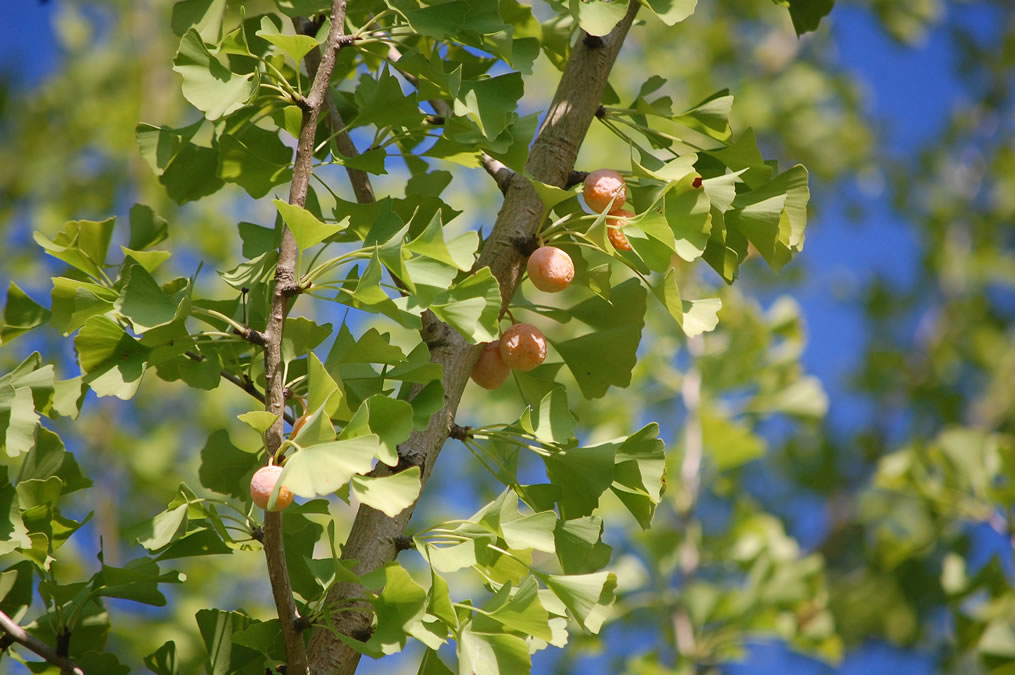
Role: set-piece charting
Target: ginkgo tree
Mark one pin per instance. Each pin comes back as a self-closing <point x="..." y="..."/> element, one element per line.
<point x="352" y="413"/>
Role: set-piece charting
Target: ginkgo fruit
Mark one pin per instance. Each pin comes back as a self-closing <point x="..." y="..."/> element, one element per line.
<point x="550" y="269"/>
<point x="523" y="347"/>
<point x="262" y="484"/>
<point x="616" y="220"/>
<point x="490" y="370"/>
<point x="601" y="187"/>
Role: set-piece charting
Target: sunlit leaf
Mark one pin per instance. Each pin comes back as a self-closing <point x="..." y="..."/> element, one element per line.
<point x="306" y="228"/>
<point x="587" y="596"/>
<point x="207" y="83"/>
<point x="321" y="469"/>
<point x="389" y="494"/>
<point x="493" y="653"/>
<point x="296" y="46"/>
<point x="598" y="17"/>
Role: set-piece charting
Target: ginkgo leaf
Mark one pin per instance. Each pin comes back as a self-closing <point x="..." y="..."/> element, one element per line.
<point x="587" y="596"/>
<point x="321" y="469"/>
<point x="389" y="494"/>
<point x="209" y="85"/>
<point x="306" y="228"/>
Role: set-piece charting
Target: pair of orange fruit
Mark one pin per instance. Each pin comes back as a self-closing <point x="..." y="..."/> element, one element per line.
<point x="523" y="346"/>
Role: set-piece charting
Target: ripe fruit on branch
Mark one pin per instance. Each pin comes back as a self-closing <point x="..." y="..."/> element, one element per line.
<point x="522" y="347"/>
<point x="616" y="220"/>
<point x="490" y="370"/>
<point x="600" y="187"/>
<point x="262" y="484"/>
<point x="550" y="269"/>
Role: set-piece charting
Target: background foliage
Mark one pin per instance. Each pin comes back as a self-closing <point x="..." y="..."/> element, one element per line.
<point x="878" y="513"/>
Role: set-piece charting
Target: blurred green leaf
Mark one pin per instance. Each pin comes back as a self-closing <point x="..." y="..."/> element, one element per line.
<point x="21" y="314"/>
<point x="806" y="14"/>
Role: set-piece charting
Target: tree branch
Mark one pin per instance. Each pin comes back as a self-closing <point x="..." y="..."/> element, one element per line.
<point x="690" y="479"/>
<point x="287" y="287"/>
<point x="359" y="179"/>
<point x="19" y="635"/>
<point x="374" y="537"/>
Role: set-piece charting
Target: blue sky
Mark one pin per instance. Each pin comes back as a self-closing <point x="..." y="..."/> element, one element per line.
<point x="912" y="92"/>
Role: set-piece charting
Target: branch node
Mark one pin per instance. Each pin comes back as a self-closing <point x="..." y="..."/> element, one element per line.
<point x="257" y="534"/>
<point x="407" y="461"/>
<point x="601" y="112"/>
<point x="436" y="343"/>
<point x="460" y="433"/>
<point x="58" y="657"/>
<point x="501" y="174"/>
<point x="362" y="634"/>
<point x="404" y="543"/>
<point x="301" y="624"/>
<point x="575" y="178"/>
<point x="254" y="337"/>
<point x="290" y="289"/>
<point x="435" y="335"/>
<point x="593" y="41"/>
<point x="526" y="245"/>
<point x="435" y="120"/>
<point x="63" y="643"/>
<point x="308" y="26"/>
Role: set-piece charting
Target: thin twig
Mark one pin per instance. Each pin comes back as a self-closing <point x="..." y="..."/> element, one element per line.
<point x="252" y="336"/>
<point x="19" y="635"/>
<point x="358" y="178"/>
<point x="241" y="382"/>
<point x="499" y="171"/>
<point x="286" y="288"/>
